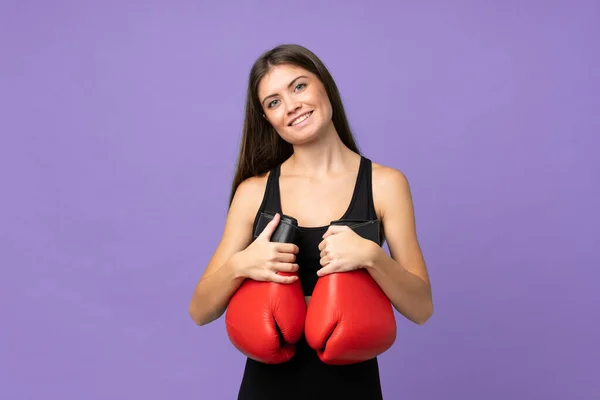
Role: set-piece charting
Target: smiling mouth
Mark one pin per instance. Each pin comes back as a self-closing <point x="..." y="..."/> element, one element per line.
<point x="301" y="118"/>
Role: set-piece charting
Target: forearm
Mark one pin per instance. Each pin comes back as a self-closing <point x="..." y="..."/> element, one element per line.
<point x="408" y="293"/>
<point x="213" y="292"/>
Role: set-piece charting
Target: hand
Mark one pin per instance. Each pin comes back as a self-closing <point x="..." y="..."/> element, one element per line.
<point x="344" y="250"/>
<point x="264" y="260"/>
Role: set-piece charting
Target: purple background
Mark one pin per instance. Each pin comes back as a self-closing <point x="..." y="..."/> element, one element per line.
<point x="119" y="126"/>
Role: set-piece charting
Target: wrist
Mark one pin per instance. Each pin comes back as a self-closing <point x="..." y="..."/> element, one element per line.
<point x="372" y="255"/>
<point x="236" y="265"/>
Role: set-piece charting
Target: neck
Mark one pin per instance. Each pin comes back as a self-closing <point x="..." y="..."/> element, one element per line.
<point x="324" y="156"/>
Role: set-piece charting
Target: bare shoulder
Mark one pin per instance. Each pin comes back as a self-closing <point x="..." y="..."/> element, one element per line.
<point x="385" y="175"/>
<point x="390" y="187"/>
<point x="249" y="195"/>
<point x="237" y="233"/>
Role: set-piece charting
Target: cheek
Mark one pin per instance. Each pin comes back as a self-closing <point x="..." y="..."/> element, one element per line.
<point x="324" y="101"/>
<point x="327" y="109"/>
<point x="275" y="117"/>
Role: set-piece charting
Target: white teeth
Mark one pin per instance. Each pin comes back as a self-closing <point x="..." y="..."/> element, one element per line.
<point x="300" y="119"/>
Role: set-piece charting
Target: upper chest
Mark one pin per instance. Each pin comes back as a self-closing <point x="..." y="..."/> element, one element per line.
<point x="317" y="202"/>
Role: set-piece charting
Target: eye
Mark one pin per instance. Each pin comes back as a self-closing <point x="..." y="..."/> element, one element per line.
<point x="271" y="104"/>
<point x="300" y="86"/>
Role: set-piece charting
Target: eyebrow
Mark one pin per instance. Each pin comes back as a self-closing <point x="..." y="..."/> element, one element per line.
<point x="289" y="86"/>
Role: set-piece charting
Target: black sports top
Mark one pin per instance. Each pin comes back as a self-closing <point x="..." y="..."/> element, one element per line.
<point x="305" y="376"/>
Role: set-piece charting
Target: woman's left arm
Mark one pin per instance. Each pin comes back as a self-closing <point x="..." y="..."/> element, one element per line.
<point x="403" y="276"/>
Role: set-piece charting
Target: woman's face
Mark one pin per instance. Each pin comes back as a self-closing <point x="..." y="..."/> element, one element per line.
<point x="295" y="102"/>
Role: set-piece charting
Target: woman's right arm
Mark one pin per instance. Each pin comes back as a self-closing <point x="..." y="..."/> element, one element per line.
<point x="221" y="277"/>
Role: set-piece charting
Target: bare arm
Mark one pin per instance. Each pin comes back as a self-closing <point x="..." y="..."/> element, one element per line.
<point x="403" y="276"/>
<point x="221" y="278"/>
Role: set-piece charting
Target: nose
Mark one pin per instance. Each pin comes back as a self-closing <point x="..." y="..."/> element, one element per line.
<point x="292" y="105"/>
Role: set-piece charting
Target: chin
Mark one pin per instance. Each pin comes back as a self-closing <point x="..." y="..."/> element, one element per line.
<point x="302" y="137"/>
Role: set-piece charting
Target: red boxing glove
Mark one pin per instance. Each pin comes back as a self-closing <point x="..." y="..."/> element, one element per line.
<point x="349" y="318"/>
<point x="264" y="320"/>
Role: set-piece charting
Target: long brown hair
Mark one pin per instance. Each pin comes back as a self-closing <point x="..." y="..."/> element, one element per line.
<point x="261" y="148"/>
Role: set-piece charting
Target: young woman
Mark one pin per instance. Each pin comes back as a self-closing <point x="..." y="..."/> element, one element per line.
<point x="298" y="157"/>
